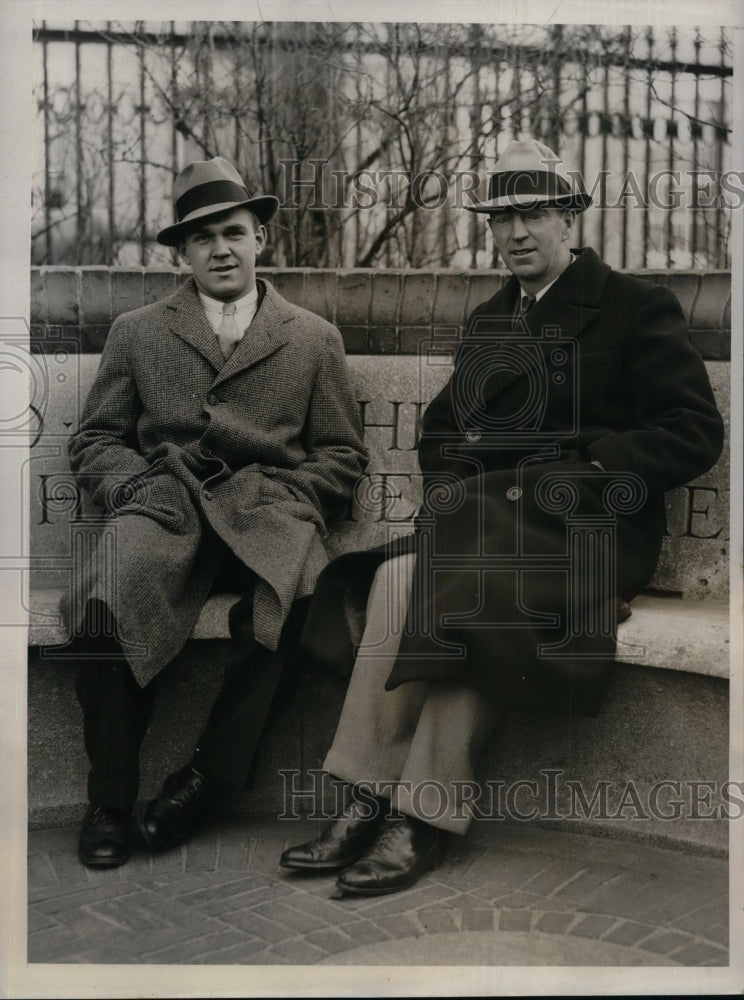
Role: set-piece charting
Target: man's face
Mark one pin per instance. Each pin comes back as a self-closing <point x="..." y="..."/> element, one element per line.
<point x="222" y="253"/>
<point x="533" y="243"/>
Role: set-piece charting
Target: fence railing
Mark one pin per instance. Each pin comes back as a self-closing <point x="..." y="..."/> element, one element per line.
<point x="375" y="136"/>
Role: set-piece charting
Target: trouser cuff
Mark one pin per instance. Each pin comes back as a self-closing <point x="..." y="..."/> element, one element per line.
<point x="439" y="805"/>
<point x="444" y="805"/>
<point x="119" y="795"/>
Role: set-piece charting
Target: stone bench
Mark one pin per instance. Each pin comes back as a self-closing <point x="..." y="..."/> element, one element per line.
<point x="667" y="714"/>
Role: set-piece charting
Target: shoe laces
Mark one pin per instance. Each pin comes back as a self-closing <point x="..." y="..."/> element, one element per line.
<point x="195" y="787"/>
<point x="391" y="834"/>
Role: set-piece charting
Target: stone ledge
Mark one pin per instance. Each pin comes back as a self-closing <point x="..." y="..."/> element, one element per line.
<point x="669" y="633"/>
<point x="372" y="307"/>
<point x="677" y="634"/>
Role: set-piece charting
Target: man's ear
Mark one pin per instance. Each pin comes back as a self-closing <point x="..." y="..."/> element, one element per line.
<point x="261" y="238"/>
<point x="569" y="217"/>
<point x="183" y="252"/>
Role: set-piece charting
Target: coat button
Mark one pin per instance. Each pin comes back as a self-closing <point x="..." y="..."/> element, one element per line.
<point x="472" y="437"/>
<point x="513" y="493"/>
<point x="207" y="495"/>
<point x="212" y="399"/>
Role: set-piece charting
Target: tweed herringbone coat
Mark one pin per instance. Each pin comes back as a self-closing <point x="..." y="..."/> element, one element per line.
<point x="178" y="445"/>
<point x="600" y="369"/>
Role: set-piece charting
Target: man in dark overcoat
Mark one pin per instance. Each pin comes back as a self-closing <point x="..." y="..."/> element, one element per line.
<point x="575" y="403"/>
<point x="221" y="436"/>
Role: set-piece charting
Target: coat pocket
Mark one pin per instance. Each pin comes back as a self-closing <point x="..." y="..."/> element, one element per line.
<point x="157" y="495"/>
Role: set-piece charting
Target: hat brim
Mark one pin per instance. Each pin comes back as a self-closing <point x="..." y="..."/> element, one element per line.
<point x="578" y="202"/>
<point x="264" y="208"/>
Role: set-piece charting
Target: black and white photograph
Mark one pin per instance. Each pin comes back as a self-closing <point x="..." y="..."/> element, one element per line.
<point x="371" y="424"/>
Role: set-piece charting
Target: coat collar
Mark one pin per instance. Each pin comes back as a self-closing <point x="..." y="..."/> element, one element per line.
<point x="267" y="333"/>
<point x="571" y="302"/>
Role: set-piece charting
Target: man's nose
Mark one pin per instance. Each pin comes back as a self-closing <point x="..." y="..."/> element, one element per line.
<point x="220" y="247"/>
<point x="519" y="228"/>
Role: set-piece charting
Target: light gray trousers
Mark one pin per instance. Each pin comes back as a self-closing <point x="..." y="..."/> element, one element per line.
<point x="418" y="744"/>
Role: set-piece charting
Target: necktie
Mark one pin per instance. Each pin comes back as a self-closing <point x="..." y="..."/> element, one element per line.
<point x="526" y="303"/>
<point x="228" y="333"/>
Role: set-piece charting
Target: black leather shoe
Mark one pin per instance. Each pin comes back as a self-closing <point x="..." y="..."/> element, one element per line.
<point x="105" y="839"/>
<point x="181" y="808"/>
<point x="341" y="843"/>
<point x="404" y="851"/>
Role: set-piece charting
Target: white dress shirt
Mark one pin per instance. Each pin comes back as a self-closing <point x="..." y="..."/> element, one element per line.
<point x="247" y="307"/>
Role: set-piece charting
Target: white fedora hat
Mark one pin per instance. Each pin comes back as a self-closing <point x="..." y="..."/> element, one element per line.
<point x="529" y="173"/>
<point x="207" y="187"/>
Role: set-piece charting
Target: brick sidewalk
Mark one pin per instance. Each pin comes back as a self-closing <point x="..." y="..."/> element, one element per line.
<point x="507" y="895"/>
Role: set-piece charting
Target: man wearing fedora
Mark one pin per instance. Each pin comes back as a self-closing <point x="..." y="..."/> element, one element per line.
<point x="576" y="401"/>
<point x="220" y="436"/>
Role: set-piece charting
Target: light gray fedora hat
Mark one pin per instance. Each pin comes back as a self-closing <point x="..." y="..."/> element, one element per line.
<point x="529" y="173"/>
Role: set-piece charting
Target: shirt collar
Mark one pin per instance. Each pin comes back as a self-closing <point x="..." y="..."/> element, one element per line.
<point x="214" y="306"/>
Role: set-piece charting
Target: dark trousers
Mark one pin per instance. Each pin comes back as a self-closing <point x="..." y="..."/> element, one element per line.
<point x="117" y="711"/>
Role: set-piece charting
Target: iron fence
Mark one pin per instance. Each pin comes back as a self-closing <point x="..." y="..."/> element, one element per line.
<point x="374" y="136"/>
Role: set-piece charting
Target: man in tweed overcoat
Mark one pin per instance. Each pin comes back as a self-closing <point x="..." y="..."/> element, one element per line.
<point x="221" y="436"/>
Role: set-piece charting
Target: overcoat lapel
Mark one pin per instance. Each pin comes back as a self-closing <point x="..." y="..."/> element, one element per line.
<point x="271" y="329"/>
<point x="573" y="301"/>
<point x="190" y="323"/>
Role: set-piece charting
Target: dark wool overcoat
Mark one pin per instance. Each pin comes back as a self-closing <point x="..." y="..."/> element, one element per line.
<point x="178" y="445"/>
<point x="524" y="547"/>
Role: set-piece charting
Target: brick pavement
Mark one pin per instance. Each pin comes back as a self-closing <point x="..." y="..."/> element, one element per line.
<point x="505" y="895"/>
